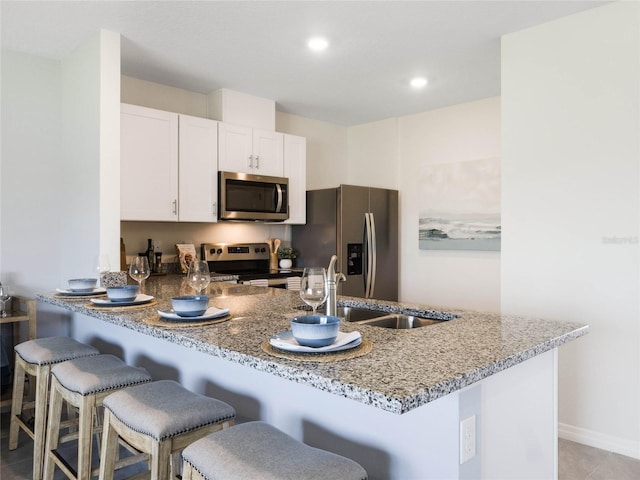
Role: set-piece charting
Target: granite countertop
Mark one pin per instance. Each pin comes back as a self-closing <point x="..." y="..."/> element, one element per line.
<point x="404" y="370"/>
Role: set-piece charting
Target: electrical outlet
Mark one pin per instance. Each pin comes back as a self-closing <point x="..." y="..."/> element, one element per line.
<point x="467" y="439"/>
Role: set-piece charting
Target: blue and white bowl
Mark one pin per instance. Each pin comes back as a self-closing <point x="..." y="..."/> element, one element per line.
<point x="123" y="293"/>
<point x="315" y="330"/>
<point x="82" y="284"/>
<point x="190" y="305"/>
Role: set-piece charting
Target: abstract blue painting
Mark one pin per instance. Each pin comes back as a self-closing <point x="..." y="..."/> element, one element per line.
<point x="460" y="206"/>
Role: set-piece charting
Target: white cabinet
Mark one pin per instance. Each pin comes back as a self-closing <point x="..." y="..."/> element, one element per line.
<point x="198" y="169"/>
<point x="248" y="150"/>
<point x="168" y="166"/>
<point x="295" y="169"/>
<point x="148" y="164"/>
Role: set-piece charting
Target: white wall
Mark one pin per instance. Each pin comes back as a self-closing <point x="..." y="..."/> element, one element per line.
<point x="57" y="145"/>
<point x="373" y="154"/>
<point x="90" y="189"/>
<point x="30" y="208"/>
<point x="571" y="209"/>
<point x="327" y="150"/>
<point x="463" y="279"/>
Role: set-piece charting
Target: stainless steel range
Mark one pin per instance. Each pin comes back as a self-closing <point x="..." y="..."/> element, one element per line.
<point x="250" y="261"/>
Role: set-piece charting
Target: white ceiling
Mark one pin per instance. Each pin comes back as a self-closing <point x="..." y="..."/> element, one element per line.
<point x="259" y="47"/>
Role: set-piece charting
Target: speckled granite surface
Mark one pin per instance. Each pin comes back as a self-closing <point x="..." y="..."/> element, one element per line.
<point x="405" y="369"/>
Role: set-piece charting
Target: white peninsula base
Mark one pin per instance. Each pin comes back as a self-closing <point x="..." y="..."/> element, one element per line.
<point x="515" y="411"/>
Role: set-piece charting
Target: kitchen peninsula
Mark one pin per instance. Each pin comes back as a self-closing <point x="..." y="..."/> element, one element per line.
<point x="395" y="410"/>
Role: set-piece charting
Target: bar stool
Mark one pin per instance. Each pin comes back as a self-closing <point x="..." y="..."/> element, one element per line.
<point x="258" y="450"/>
<point x="159" y="418"/>
<point x="83" y="383"/>
<point x="35" y="358"/>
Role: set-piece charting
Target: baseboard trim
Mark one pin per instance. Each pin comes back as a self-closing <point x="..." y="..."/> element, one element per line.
<point x="599" y="440"/>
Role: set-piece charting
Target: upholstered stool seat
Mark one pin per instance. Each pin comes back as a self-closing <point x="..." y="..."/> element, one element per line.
<point x="35" y="358"/>
<point x="258" y="450"/>
<point x="160" y="418"/>
<point x="83" y="383"/>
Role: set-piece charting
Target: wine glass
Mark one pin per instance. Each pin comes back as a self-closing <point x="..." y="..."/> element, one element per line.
<point x="313" y="287"/>
<point x="102" y="266"/>
<point x="5" y="296"/>
<point x="198" y="276"/>
<point x="139" y="269"/>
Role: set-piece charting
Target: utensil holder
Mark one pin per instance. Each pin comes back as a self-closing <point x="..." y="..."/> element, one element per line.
<point x="273" y="261"/>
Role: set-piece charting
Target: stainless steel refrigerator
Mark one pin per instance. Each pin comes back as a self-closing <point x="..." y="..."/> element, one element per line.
<point x="360" y="226"/>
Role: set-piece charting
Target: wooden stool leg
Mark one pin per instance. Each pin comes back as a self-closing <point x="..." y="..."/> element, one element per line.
<point x="16" y="402"/>
<point x="42" y="385"/>
<point x="85" y="438"/>
<point x="53" y="430"/>
<point x="109" y="448"/>
<point x="160" y="460"/>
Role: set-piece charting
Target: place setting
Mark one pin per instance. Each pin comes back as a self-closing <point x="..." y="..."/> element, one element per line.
<point x="316" y="337"/>
<point x="123" y="296"/>
<point x="188" y="310"/>
<point x="81" y="288"/>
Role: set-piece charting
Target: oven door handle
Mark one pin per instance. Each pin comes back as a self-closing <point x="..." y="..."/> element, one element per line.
<point x="278" y="198"/>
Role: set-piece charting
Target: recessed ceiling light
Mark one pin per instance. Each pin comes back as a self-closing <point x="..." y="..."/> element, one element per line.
<point x="419" y="82"/>
<point x="317" y="44"/>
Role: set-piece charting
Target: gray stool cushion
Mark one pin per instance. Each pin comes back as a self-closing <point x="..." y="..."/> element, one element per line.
<point x="164" y="409"/>
<point x="50" y="350"/>
<point x="98" y="373"/>
<point x="258" y="450"/>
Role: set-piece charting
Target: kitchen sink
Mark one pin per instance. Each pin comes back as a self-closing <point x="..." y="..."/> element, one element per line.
<point x="400" y="321"/>
<point x="377" y="318"/>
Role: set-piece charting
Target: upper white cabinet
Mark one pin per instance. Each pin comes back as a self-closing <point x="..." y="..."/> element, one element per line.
<point x="198" y="169"/>
<point x="248" y="150"/>
<point x="168" y="166"/>
<point x="295" y="169"/>
<point x="148" y="164"/>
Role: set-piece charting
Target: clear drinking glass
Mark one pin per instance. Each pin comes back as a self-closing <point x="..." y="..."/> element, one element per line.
<point x="5" y="296"/>
<point x="139" y="270"/>
<point x="313" y="287"/>
<point x="198" y="276"/>
<point x="102" y="266"/>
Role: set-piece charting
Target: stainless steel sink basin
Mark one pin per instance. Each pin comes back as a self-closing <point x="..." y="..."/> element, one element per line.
<point x="377" y="318"/>
<point x="400" y="321"/>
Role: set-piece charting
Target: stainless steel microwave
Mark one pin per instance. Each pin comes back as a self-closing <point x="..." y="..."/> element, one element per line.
<point x="243" y="196"/>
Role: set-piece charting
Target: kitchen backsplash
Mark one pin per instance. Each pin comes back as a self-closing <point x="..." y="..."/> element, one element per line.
<point x="165" y="235"/>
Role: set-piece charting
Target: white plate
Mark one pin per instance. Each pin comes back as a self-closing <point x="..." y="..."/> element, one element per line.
<point x="212" y="312"/>
<point x="344" y="341"/>
<point x="105" y="302"/>
<point x="95" y="291"/>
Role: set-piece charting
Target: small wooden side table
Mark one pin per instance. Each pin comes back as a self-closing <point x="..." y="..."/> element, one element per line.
<point x="22" y="310"/>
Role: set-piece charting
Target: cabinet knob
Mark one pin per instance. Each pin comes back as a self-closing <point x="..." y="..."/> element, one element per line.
<point x="250" y="161"/>
<point x="258" y="161"/>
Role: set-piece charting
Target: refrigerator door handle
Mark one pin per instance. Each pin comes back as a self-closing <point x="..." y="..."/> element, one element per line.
<point x="365" y="266"/>
<point x="369" y="260"/>
<point x="374" y="255"/>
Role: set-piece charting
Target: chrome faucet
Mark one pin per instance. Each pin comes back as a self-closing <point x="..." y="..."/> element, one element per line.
<point x="332" y="280"/>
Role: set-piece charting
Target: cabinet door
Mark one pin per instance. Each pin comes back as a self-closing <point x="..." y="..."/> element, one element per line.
<point x="268" y="153"/>
<point x="198" y="167"/>
<point x="234" y="148"/>
<point x="148" y="164"/>
<point x="295" y="169"/>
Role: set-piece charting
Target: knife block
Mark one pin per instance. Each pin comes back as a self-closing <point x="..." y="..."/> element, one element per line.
<point x="273" y="261"/>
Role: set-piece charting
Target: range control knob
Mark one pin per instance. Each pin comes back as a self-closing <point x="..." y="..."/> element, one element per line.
<point x="256" y="250"/>
<point x="262" y="250"/>
<point x="219" y="252"/>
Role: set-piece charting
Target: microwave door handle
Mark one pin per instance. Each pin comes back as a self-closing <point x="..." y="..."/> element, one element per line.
<point x="278" y="198"/>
